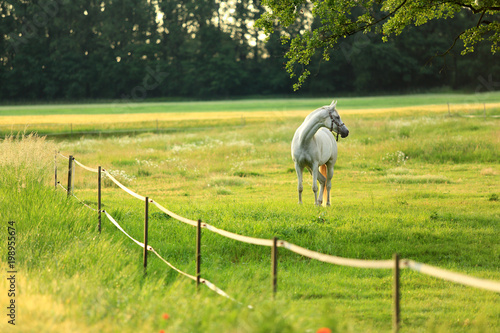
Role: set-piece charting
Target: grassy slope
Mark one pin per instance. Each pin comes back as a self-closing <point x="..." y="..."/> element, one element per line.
<point x="436" y="207"/>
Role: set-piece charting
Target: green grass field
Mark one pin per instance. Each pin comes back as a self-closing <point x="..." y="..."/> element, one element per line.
<point x="422" y="184"/>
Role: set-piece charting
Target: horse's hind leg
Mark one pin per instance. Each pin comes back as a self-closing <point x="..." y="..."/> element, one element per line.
<point x="329" y="182"/>
<point x="315" y="173"/>
<point x="300" y="188"/>
<point x="322" y="182"/>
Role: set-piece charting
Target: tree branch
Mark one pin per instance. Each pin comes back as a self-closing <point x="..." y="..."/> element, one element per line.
<point x="478" y="10"/>
<point x="447" y="51"/>
<point x="480" y="19"/>
<point x="362" y="28"/>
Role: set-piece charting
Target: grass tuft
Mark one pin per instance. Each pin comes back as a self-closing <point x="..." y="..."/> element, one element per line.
<point x="423" y="179"/>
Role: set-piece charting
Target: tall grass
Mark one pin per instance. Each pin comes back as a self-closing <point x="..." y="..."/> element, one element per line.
<point x="25" y="159"/>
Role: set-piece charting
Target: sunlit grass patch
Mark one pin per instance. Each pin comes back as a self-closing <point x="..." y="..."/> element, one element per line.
<point x="228" y="181"/>
<point x="418" y="179"/>
<point x="223" y="191"/>
<point x="247" y="174"/>
<point x="399" y="171"/>
<point x="489" y="172"/>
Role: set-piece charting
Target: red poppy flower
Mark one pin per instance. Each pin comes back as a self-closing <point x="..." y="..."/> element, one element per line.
<point x="324" y="330"/>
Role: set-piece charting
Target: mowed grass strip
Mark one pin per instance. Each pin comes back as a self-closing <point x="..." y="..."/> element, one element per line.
<point x="201" y="116"/>
<point x="109" y="118"/>
<point x="253" y="105"/>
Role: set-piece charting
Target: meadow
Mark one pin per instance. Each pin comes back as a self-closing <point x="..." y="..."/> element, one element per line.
<point x="410" y="179"/>
<point x="125" y="117"/>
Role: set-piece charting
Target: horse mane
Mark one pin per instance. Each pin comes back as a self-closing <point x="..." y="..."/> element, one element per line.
<point x="315" y="112"/>
<point x="325" y="107"/>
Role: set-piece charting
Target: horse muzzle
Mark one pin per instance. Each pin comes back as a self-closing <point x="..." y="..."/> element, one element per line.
<point x="344" y="132"/>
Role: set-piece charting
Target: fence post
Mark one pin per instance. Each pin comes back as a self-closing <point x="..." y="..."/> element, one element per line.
<point x="395" y="295"/>
<point x="274" y="265"/>
<point x="55" y="170"/>
<point x="146" y="206"/>
<point x="99" y="197"/>
<point x="198" y="254"/>
<point x="70" y="175"/>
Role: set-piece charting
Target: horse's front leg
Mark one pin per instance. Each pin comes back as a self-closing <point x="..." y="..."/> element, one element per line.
<point x="300" y="188"/>
<point x="322" y="188"/>
<point x="329" y="176"/>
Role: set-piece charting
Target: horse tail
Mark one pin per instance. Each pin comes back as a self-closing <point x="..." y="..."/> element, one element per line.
<point x="322" y="170"/>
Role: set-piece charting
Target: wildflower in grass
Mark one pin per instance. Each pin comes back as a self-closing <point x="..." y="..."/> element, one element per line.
<point x="121" y="175"/>
<point x="398" y="158"/>
<point x="166" y="316"/>
<point x="324" y="330"/>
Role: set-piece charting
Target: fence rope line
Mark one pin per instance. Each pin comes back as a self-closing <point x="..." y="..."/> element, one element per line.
<point x="66" y="157"/>
<point x="121" y="229"/>
<point x="85" y="167"/>
<point x="120" y="185"/>
<point x="150" y="248"/>
<point x="360" y="263"/>
<point x="243" y="239"/>
<point x="172" y="266"/>
<point x="452" y="276"/>
<point x="220" y="291"/>
<point x="79" y="200"/>
<point x="173" y="215"/>
<point x="209" y="284"/>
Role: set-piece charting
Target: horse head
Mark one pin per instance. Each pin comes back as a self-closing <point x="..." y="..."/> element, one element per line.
<point x="333" y="121"/>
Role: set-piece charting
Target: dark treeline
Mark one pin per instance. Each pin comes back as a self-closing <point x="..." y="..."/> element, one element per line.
<point x="137" y="49"/>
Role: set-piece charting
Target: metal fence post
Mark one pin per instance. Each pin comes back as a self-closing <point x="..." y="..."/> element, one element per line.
<point x="55" y="170"/>
<point x="395" y="295"/>
<point x="146" y="208"/>
<point x="70" y="175"/>
<point x="274" y="265"/>
<point x="198" y="254"/>
<point x="99" y="197"/>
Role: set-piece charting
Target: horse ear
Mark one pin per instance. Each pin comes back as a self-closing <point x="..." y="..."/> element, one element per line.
<point x="334" y="104"/>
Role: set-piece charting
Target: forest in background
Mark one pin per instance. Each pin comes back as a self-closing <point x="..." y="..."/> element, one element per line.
<point x="206" y="49"/>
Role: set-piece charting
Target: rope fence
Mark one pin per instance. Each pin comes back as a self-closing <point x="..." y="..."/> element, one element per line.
<point x="395" y="264"/>
<point x="452" y="276"/>
<point x="359" y="263"/>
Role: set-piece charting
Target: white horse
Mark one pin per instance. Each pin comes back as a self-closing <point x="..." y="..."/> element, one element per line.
<point x="314" y="146"/>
